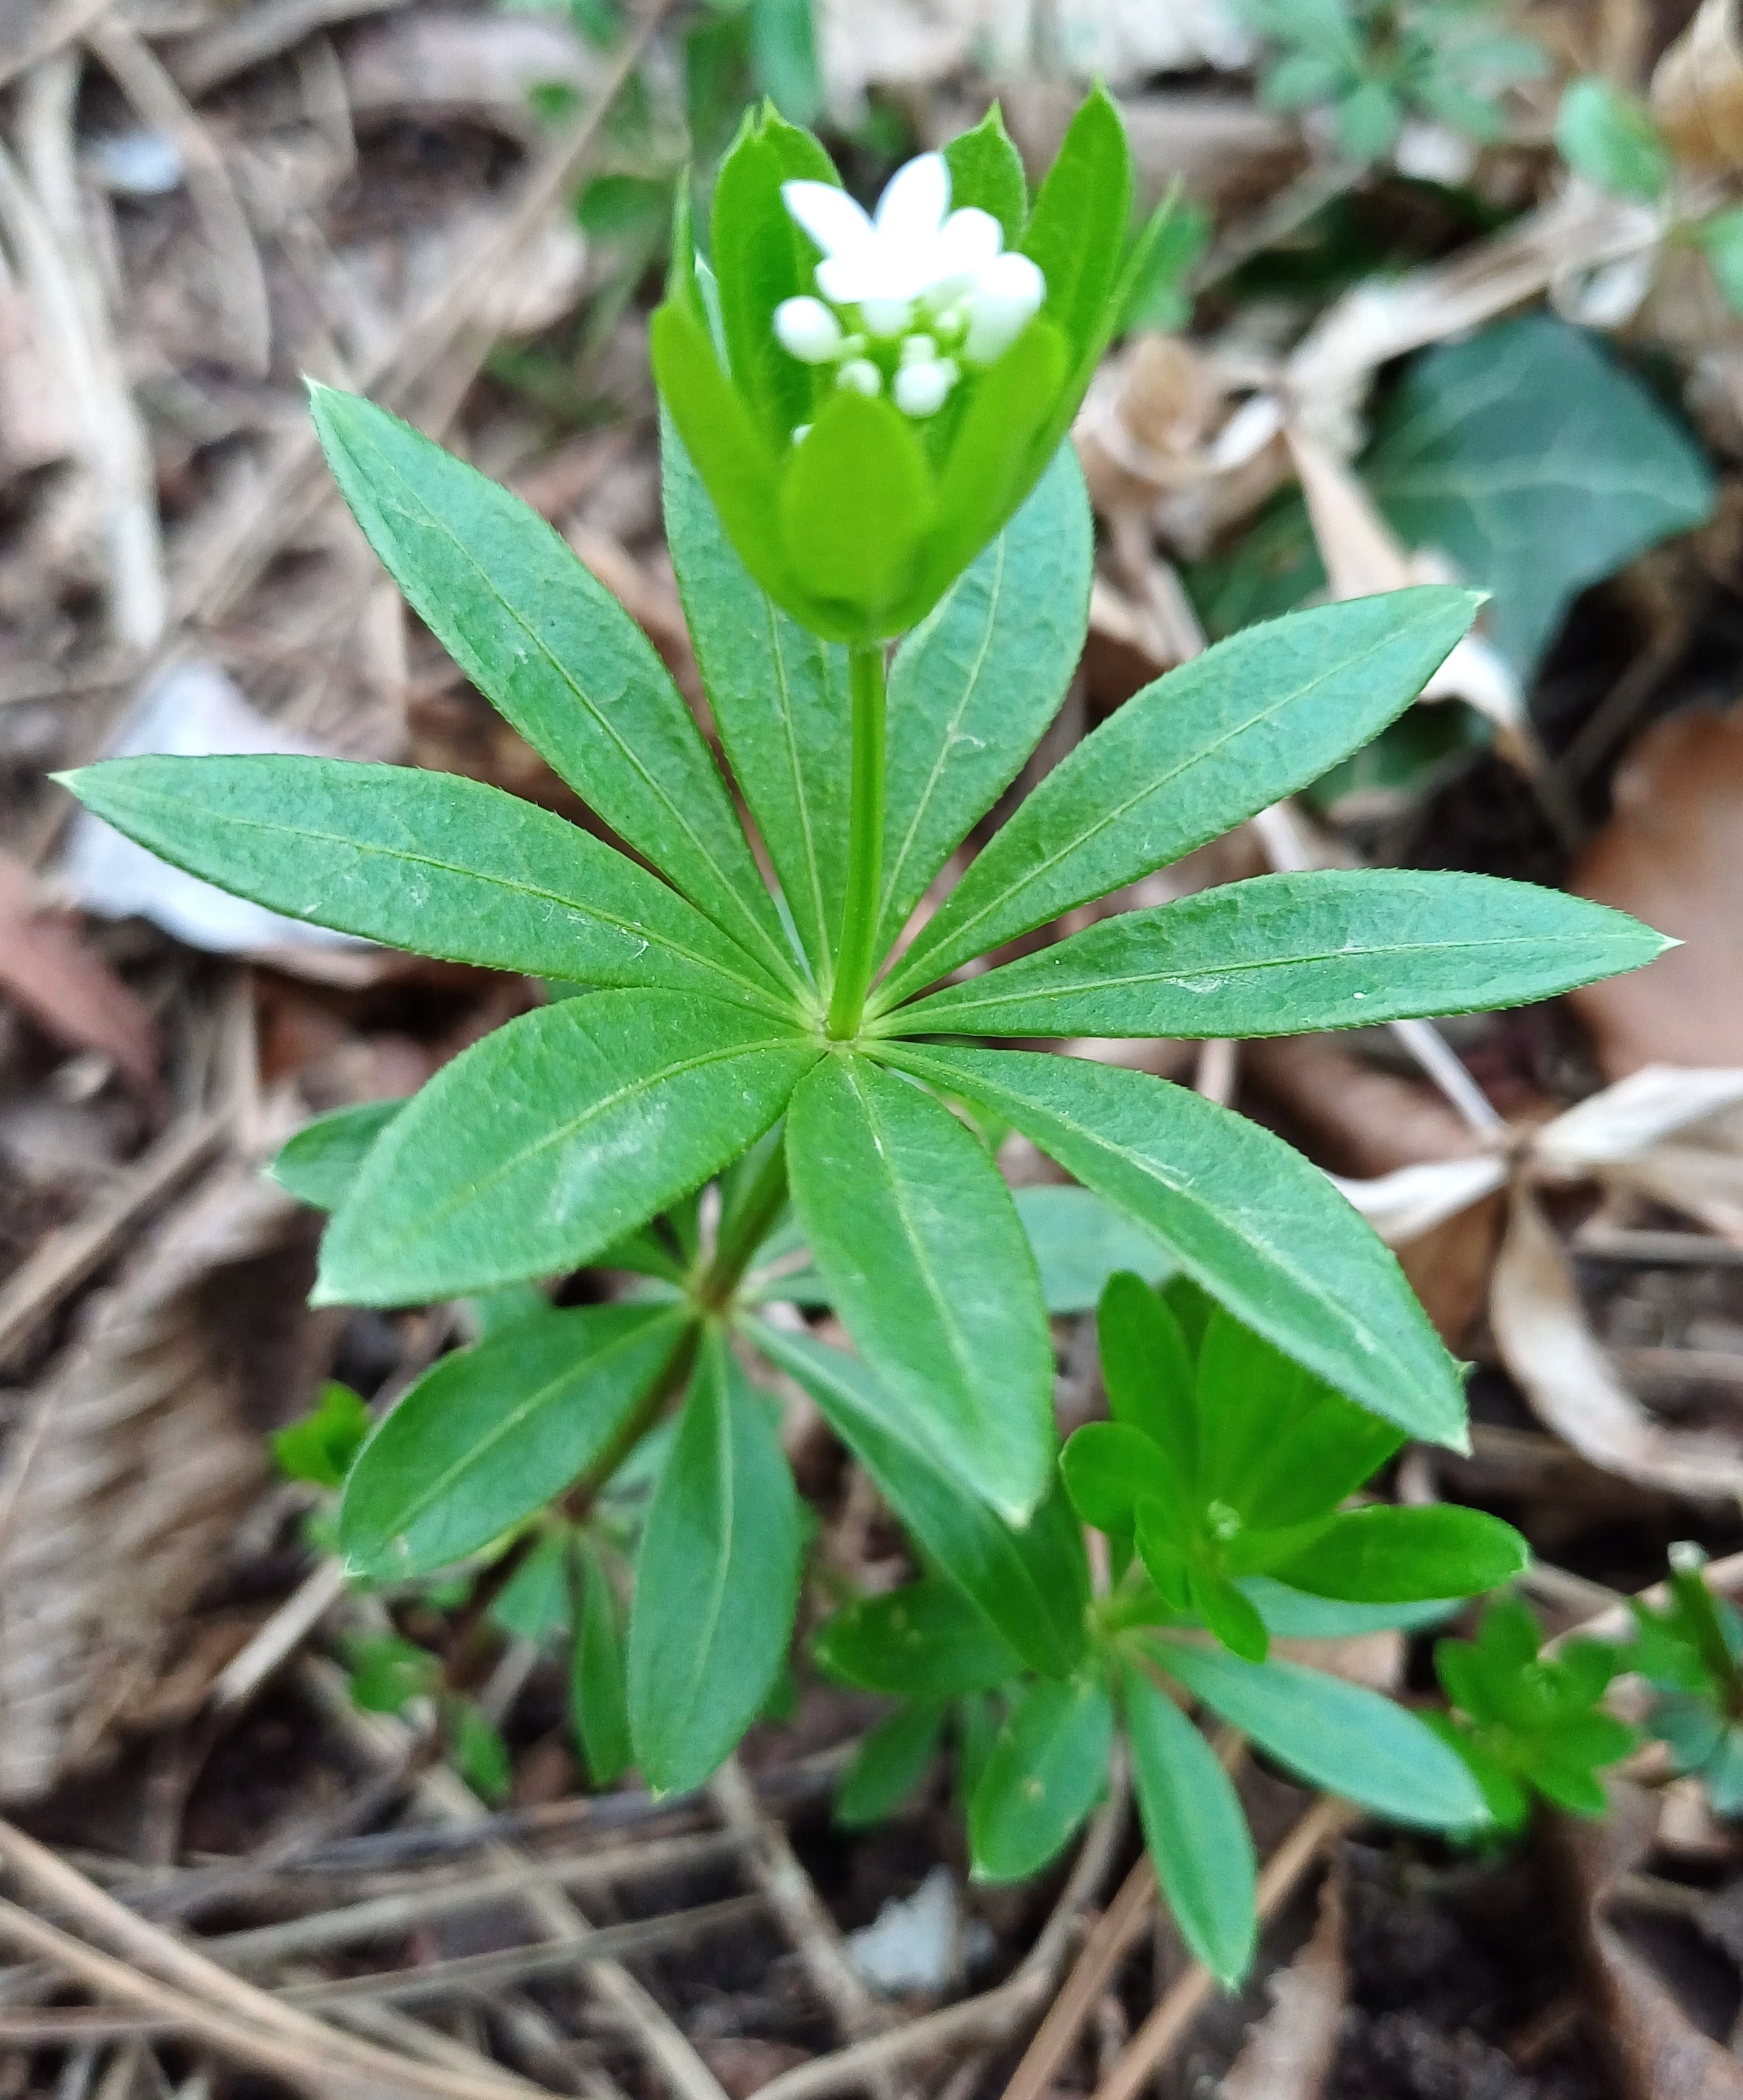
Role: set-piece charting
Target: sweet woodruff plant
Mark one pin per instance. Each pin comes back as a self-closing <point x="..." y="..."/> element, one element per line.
<point x="865" y="419"/>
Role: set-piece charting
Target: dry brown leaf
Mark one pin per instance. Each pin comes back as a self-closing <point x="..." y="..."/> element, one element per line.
<point x="1567" y="1378"/>
<point x="1697" y="90"/>
<point x="133" y="1458"/>
<point x="48" y="971"/>
<point x="1289" y="2055"/>
<point x="1658" y="2051"/>
<point x="1672" y="854"/>
<point x="1372" y="1124"/>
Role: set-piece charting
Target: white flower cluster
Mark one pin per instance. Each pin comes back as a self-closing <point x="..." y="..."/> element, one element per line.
<point x="932" y="285"/>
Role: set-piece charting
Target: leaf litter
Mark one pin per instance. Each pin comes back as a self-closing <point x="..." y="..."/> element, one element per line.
<point x="379" y="169"/>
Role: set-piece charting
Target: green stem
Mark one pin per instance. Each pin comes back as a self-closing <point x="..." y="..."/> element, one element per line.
<point x="747" y="1225"/>
<point x="857" y="959"/>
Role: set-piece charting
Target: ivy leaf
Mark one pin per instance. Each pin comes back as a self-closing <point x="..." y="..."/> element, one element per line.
<point x="1340" y="1736"/>
<point x="1047" y="1770"/>
<point x="1539" y="465"/>
<point x="490" y="1434"/>
<point x="1195" y="1828"/>
<point x="716" y="1580"/>
<point x="975" y="685"/>
<point x="928" y="1265"/>
<point x="555" y="655"/>
<point x="1285" y="954"/>
<point x="539" y="1147"/>
<point x="1194" y="754"/>
<point x="1245" y="1215"/>
<point x="1033" y="1584"/>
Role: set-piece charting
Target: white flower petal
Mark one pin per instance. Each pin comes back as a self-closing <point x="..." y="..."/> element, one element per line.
<point x="832" y="218"/>
<point x="968" y="241"/>
<point x="860" y="376"/>
<point x="1007" y="296"/>
<point x="914" y="201"/>
<point x="867" y="273"/>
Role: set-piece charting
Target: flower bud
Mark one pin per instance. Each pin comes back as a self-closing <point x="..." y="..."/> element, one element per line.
<point x="859" y="329"/>
<point x="807" y="328"/>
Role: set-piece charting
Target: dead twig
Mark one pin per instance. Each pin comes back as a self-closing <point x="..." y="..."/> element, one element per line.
<point x="315" y="2059"/>
<point x="795" y="1901"/>
<point x="42" y="215"/>
<point x="1150" y="2048"/>
<point x="992" y="2016"/>
<point x="64" y="1260"/>
<point x="126" y="56"/>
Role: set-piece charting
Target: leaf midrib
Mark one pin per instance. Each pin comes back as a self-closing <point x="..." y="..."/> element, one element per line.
<point x="588" y="1366"/>
<point x="597" y="715"/>
<point x="961" y="1353"/>
<point x="762" y="995"/>
<point x="950" y="940"/>
<point x="892" y="888"/>
<point x="1374" y="1346"/>
<point x="969" y="1000"/>
<point x="565" y="1132"/>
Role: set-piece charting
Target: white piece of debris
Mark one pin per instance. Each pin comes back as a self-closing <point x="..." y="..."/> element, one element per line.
<point x="917" y="1943"/>
<point x="191" y="710"/>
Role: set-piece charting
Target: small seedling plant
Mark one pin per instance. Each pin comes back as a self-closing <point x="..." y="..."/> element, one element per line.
<point x="1608" y="136"/>
<point x="1374" y="64"/>
<point x="1531" y="1724"/>
<point x="1690" y="1650"/>
<point x="1219" y="1484"/>
<point x="865" y="417"/>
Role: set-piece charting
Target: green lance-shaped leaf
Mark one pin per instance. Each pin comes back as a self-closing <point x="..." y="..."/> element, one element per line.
<point x="1077" y="228"/>
<point x="986" y="173"/>
<point x="319" y="1165"/>
<point x="928" y="1265"/>
<point x="974" y="686"/>
<point x="760" y="257"/>
<point x="1286" y="954"/>
<point x="598" y="1696"/>
<point x="924" y="1641"/>
<point x="716" y="1580"/>
<point x="889" y="1764"/>
<point x="555" y="653"/>
<point x="780" y="703"/>
<point x="1246" y="1215"/>
<point x="1148" y="1371"/>
<point x="1195" y="1831"/>
<point x="539" y="1147"/>
<point x="432" y="862"/>
<point x="1340" y="1736"/>
<point x="1200" y="750"/>
<point x="856" y="501"/>
<point x="1384" y="1555"/>
<point x="1047" y="1769"/>
<point x="488" y="1435"/>
<point x="1033" y="1584"/>
<point x="1080" y="1241"/>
